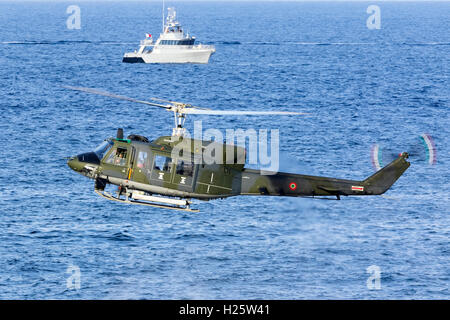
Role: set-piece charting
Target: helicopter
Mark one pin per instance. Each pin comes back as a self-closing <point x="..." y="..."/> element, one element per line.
<point x="170" y="171"/>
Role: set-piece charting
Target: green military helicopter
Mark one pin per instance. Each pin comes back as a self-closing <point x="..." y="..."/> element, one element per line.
<point x="171" y="171"/>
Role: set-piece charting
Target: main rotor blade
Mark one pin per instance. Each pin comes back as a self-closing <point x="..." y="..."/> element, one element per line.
<point x="112" y="95"/>
<point x="186" y="108"/>
<point x="240" y="112"/>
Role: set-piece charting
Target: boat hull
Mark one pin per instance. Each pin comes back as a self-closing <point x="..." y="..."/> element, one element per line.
<point x="200" y="56"/>
<point x="133" y="60"/>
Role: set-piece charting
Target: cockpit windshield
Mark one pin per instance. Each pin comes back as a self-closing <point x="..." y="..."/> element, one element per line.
<point x="103" y="148"/>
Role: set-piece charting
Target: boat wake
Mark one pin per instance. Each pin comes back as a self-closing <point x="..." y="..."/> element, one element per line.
<point x="63" y="42"/>
<point x="300" y="43"/>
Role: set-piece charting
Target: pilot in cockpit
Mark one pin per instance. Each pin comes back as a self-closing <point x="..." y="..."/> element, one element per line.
<point x="120" y="157"/>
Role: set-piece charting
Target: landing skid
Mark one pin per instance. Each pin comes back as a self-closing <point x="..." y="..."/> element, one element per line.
<point x="128" y="200"/>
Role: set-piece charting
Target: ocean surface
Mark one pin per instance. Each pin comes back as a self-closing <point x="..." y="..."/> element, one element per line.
<point x="361" y="87"/>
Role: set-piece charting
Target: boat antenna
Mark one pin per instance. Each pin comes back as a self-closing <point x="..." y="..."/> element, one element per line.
<point x="163" y="17"/>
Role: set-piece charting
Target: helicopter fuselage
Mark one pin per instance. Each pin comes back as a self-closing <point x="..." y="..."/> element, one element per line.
<point x="175" y="167"/>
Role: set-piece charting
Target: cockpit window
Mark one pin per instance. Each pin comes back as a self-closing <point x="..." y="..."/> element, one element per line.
<point x="118" y="157"/>
<point x="103" y="148"/>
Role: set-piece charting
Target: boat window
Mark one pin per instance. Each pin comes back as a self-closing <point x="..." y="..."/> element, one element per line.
<point x="177" y="42"/>
<point x="103" y="148"/>
<point x="118" y="158"/>
<point x="162" y="163"/>
<point x="185" y="168"/>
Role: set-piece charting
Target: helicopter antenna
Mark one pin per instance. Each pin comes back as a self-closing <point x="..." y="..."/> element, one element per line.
<point x="180" y="110"/>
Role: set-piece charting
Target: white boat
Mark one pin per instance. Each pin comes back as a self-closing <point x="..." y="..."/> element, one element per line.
<point x="173" y="46"/>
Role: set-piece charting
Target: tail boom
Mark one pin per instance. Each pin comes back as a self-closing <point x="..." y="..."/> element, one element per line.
<point x="296" y="185"/>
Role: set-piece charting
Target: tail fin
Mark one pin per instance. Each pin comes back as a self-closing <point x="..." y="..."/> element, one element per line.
<point x="383" y="179"/>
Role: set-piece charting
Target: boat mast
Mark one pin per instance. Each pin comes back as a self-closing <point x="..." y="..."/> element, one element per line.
<point x="163" y="17"/>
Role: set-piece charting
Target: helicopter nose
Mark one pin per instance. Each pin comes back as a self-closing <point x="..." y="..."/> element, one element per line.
<point x="74" y="164"/>
<point x="78" y="162"/>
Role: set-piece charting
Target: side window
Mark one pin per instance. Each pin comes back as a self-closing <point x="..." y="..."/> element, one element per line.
<point x="118" y="157"/>
<point x="162" y="163"/>
<point x="185" y="168"/>
<point x="142" y="158"/>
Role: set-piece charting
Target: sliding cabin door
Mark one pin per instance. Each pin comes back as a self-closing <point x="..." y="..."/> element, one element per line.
<point x="162" y="170"/>
<point x="184" y="175"/>
<point x="178" y="174"/>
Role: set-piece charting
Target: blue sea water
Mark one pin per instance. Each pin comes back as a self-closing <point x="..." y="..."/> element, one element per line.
<point x="360" y="87"/>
